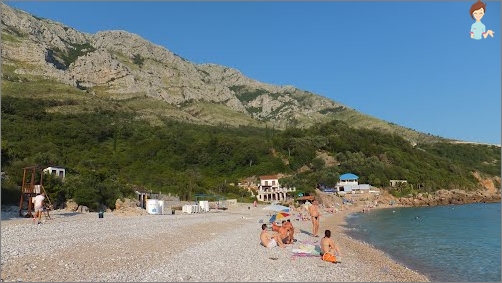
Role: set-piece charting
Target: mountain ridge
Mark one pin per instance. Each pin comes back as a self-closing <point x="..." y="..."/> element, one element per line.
<point x="119" y="66"/>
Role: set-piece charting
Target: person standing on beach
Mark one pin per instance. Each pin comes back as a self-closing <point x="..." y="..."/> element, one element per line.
<point x="270" y="241"/>
<point x="39" y="207"/>
<point x="314" y="215"/>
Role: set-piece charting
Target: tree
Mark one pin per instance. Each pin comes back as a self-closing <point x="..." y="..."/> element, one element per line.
<point x="318" y="163"/>
<point x="138" y="60"/>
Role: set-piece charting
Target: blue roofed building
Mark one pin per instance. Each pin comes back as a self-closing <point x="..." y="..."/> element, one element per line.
<point x="349" y="178"/>
<point x="349" y="184"/>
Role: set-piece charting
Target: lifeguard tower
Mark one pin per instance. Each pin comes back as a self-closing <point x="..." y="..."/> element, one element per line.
<point x="30" y="190"/>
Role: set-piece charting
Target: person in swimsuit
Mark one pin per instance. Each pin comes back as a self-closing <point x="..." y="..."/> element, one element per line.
<point x="275" y="227"/>
<point x="328" y="245"/>
<point x="314" y="215"/>
<point x="284" y="233"/>
<point x="270" y="241"/>
<point x="289" y="225"/>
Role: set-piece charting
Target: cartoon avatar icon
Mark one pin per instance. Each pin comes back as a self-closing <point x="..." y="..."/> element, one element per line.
<point x="478" y="29"/>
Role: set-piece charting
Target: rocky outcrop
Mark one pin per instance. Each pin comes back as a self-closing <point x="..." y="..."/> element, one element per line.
<point x="99" y="68"/>
<point x="488" y="193"/>
<point x="128" y="207"/>
<point x="70" y="205"/>
<point x="83" y="209"/>
<point x="44" y="31"/>
<point x="446" y="197"/>
<point x="440" y="197"/>
<point x="123" y="63"/>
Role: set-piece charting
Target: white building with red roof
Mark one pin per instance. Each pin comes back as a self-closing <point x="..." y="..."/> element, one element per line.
<point x="270" y="190"/>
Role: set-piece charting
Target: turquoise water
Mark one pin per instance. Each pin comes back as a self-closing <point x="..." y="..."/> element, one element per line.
<point x="454" y="243"/>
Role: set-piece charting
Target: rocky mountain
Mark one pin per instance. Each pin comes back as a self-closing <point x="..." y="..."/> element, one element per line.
<point x="120" y="66"/>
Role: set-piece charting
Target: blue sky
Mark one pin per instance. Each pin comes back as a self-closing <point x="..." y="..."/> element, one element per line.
<point x="410" y="63"/>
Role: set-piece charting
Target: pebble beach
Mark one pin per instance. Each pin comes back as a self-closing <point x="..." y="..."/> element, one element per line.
<point x="216" y="246"/>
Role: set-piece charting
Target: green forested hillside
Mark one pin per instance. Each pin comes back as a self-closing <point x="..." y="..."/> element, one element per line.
<point x="118" y="112"/>
<point x="106" y="152"/>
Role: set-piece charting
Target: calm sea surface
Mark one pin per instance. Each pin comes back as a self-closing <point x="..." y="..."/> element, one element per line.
<point x="459" y="243"/>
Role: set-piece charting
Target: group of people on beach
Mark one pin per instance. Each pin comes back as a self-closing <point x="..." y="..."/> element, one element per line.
<point x="284" y="234"/>
<point x="270" y="240"/>
<point x="286" y="231"/>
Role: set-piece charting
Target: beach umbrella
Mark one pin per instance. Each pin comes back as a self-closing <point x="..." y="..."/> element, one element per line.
<point x="278" y="216"/>
<point x="277" y="208"/>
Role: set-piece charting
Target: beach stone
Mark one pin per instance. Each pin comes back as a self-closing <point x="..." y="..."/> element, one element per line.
<point x="70" y="205"/>
<point x="164" y="248"/>
<point x="83" y="209"/>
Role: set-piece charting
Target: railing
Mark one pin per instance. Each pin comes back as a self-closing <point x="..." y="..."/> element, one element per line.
<point x="276" y="190"/>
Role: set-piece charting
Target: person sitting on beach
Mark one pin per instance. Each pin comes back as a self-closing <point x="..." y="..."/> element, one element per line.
<point x="270" y="241"/>
<point x="284" y="232"/>
<point x="328" y="245"/>
<point x="289" y="225"/>
<point x="275" y="227"/>
<point x="314" y="214"/>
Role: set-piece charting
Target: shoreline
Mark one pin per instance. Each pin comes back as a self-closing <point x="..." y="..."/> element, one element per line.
<point x="215" y="246"/>
<point x="336" y="222"/>
<point x="422" y="254"/>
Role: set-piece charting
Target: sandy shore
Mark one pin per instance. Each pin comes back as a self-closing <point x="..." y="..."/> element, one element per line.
<point x="213" y="247"/>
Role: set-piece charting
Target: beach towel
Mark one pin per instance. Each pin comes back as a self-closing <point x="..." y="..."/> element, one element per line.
<point x="307" y="250"/>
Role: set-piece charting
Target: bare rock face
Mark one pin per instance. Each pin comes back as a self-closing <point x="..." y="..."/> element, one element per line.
<point x="327" y="200"/>
<point x="44" y="31"/>
<point x="123" y="63"/>
<point x="30" y="53"/>
<point x="99" y="68"/>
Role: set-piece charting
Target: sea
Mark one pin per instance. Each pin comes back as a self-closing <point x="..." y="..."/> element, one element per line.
<point x="453" y="243"/>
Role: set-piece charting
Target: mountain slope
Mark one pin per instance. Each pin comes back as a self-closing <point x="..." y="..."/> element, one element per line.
<point x="120" y="67"/>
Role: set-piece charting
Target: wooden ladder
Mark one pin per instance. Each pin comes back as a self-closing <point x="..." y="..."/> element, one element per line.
<point x="29" y="190"/>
